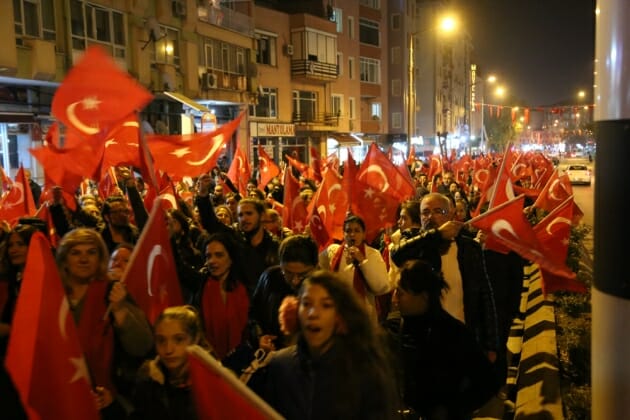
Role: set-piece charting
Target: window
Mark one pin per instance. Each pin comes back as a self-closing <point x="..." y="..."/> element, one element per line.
<point x="336" y="104"/>
<point x="340" y="64"/>
<point x="396" y="87"/>
<point x="370" y="70"/>
<point x="369" y="32"/>
<point x="267" y="106"/>
<point x="395" y="55"/>
<point x="350" y="68"/>
<point x="266" y="49"/>
<point x="351" y="109"/>
<point x="376" y="110"/>
<point x="304" y="106"/>
<point x="374" y="4"/>
<point x="26" y="18"/>
<point x="350" y="27"/>
<point x="221" y="56"/>
<point x="395" y="21"/>
<point x="337" y="17"/>
<point x="93" y="24"/>
<point x="166" y="49"/>
<point x="396" y="120"/>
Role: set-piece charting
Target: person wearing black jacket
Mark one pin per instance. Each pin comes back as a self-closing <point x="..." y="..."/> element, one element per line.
<point x="443" y="372"/>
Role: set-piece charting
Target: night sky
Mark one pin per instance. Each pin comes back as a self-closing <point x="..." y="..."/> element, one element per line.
<point x="542" y="50"/>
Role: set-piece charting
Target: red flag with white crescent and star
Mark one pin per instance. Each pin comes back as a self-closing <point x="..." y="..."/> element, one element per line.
<point x="191" y="154"/>
<point x="240" y="171"/>
<point x="151" y="276"/>
<point x="266" y="167"/>
<point x="18" y="201"/>
<point x="96" y="93"/>
<point x="381" y="174"/>
<point x="44" y="357"/>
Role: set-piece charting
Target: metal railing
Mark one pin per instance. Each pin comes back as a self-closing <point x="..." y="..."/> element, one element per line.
<point x="227" y="18"/>
<point x="314" y="69"/>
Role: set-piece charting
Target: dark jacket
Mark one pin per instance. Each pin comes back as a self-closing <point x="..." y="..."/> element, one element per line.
<point x="444" y="372"/>
<point x="156" y="399"/>
<point x="300" y="387"/>
<point x="479" y="305"/>
<point x="271" y="289"/>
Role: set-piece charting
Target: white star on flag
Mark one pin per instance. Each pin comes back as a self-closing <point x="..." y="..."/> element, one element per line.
<point x="81" y="369"/>
<point x="181" y="152"/>
<point x="369" y="192"/>
<point x="91" y="102"/>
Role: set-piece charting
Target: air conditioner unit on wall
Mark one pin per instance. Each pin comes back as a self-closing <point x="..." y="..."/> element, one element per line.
<point x="210" y="81"/>
<point x="288" y="49"/>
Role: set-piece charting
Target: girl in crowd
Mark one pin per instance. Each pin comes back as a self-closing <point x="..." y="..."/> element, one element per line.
<point x="163" y="387"/>
<point x="337" y="369"/>
<point x="445" y="373"/>
<point x="223" y="300"/>
<point x="82" y="260"/>
<point x="358" y="264"/>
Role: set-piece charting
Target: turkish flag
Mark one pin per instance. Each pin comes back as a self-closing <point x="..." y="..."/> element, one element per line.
<point x="240" y="171"/>
<point x="97" y="94"/>
<point x="4" y="179"/>
<point x="380" y="173"/>
<point x="166" y="191"/>
<point x="502" y="190"/>
<point x="542" y="168"/>
<point x="151" y="276"/>
<point x="555" y="191"/>
<point x="411" y="158"/>
<point x="219" y="394"/>
<point x="44" y="356"/>
<point x="328" y="209"/>
<point x="350" y="171"/>
<point x="191" y="154"/>
<point x="109" y="184"/>
<point x="18" y="200"/>
<point x="67" y="167"/>
<point x="122" y="145"/>
<point x="267" y="168"/>
<point x="435" y="167"/>
<point x="553" y="233"/>
<point x="376" y="208"/>
<point x="315" y="170"/>
<point x="507" y="225"/>
<point x="301" y="167"/>
<point x="294" y="210"/>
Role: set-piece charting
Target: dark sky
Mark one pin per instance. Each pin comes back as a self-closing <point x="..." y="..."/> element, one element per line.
<point x="542" y="50"/>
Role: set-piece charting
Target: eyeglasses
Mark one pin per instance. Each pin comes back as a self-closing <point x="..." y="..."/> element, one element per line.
<point x="300" y="276"/>
<point x="436" y="212"/>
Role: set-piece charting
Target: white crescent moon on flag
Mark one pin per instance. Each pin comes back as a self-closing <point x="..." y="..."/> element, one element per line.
<point x="63" y="315"/>
<point x="319" y="225"/>
<point x="19" y="186"/>
<point x="501" y="225"/>
<point x="266" y="165"/>
<point x="552" y="188"/>
<point x="555" y="221"/>
<point x="478" y="178"/>
<point x="217" y="143"/>
<point x="76" y="122"/>
<point x="379" y="171"/>
<point x="515" y="168"/>
<point x="239" y="165"/>
<point x="170" y="198"/>
<point x="155" y="252"/>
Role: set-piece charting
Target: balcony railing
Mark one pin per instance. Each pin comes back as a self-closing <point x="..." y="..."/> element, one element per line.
<point x="227" y="18"/>
<point x="322" y="118"/>
<point x="314" y="69"/>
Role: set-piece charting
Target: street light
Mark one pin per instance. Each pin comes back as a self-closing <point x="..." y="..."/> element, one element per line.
<point x="446" y="24"/>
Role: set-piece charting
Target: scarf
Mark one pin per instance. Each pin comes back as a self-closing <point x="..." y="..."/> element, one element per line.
<point x="358" y="281"/>
<point x="97" y="335"/>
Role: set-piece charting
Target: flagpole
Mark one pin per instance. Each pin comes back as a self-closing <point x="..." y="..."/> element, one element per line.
<point x="233" y="381"/>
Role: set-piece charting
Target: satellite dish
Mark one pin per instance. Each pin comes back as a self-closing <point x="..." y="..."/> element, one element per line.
<point x="154" y="31"/>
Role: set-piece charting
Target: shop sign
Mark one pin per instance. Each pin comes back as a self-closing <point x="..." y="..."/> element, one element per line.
<point x="272" y="130"/>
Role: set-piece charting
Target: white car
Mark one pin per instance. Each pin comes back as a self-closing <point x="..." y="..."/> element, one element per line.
<point x="579" y="174"/>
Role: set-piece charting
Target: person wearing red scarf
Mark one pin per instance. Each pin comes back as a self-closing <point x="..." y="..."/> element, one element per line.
<point x="82" y="259"/>
<point x="358" y="264"/>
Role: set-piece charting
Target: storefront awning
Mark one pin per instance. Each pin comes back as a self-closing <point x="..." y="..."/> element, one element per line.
<point x="345" y="139"/>
<point x="185" y="100"/>
<point x="16" y="117"/>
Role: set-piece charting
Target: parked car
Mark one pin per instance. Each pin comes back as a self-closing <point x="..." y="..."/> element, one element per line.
<point x="579" y="174"/>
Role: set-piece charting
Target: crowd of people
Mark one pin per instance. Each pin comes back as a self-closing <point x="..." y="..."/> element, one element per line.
<point x="414" y="326"/>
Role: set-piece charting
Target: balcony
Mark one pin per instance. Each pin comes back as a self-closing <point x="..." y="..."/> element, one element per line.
<point x="227" y="18"/>
<point x="314" y="70"/>
<point x="329" y="119"/>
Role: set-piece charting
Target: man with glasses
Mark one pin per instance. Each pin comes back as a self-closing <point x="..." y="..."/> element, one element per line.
<point x="443" y="243"/>
<point x="298" y="258"/>
<point x="119" y="228"/>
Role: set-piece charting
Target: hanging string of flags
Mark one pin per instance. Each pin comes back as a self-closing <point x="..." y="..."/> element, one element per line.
<point x="496" y="110"/>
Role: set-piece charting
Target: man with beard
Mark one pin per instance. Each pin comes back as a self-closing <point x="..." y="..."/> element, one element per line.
<point x="260" y="249"/>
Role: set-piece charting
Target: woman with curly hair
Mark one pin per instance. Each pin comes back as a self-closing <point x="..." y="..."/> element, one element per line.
<point x="337" y="369"/>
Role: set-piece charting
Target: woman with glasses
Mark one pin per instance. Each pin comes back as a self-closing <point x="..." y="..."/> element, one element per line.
<point x="358" y="264"/>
